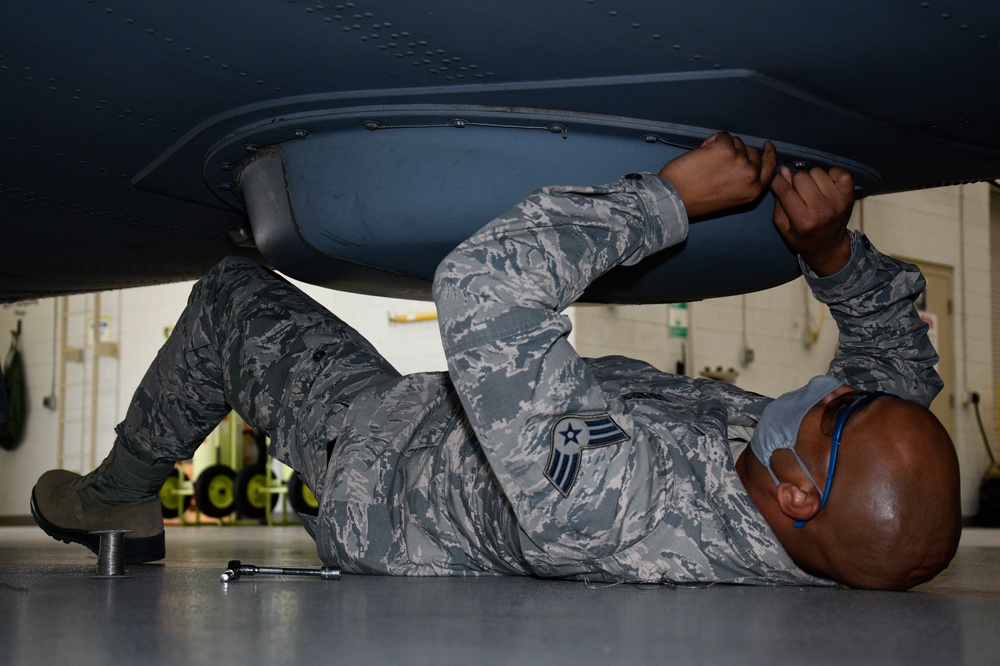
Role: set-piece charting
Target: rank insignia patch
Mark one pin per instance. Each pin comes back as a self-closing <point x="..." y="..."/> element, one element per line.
<point x="570" y="436"/>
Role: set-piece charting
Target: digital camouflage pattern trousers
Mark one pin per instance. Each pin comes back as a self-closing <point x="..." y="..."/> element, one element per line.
<point x="250" y="341"/>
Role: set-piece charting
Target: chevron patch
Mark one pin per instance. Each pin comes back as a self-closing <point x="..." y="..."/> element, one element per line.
<point x="571" y="435"/>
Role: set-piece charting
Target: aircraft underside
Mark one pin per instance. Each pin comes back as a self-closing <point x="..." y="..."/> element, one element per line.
<point x="354" y="144"/>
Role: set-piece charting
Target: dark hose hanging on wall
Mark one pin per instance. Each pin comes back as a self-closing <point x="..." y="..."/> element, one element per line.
<point x="989" y="490"/>
<point x="13" y="405"/>
<point x="4" y="409"/>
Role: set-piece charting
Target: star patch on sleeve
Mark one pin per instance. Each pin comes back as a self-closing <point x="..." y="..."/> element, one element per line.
<point x="570" y="436"/>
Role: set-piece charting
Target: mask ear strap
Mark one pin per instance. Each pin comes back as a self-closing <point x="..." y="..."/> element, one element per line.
<point x="804" y="469"/>
<point x="773" y="475"/>
<point x="802" y="523"/>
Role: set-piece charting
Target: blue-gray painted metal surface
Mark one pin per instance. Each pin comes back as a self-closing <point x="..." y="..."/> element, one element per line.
<point x="378" y="188"/>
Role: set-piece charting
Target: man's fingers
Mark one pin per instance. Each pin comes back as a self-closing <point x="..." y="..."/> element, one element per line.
<point x="795" y="197"/>
<point x="723" y="139"/>
<point x="813" y="184"/>
<point x="783" y="190"/>
<point x="835" y="188"/>
<point x="765" y="161"/>
<point x="843" y="180"/>
<point x="769" y="163"/>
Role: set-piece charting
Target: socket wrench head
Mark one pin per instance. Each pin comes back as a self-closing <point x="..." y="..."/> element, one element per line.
<point x="232" y="571"/>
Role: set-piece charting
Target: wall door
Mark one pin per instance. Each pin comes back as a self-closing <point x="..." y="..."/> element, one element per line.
<point x="935" y="306"/>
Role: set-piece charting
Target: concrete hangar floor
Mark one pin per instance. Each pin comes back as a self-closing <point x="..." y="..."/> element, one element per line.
<point x="55" y="610"/>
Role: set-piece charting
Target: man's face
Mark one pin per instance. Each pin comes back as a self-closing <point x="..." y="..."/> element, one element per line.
<point x="811" y="443"/>
<point x="846" y="406"/>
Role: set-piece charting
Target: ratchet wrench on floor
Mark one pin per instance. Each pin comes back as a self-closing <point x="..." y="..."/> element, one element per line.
<point x="236" y="570"/>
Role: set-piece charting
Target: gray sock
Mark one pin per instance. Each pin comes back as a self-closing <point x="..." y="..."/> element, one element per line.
<point x="122" y="479"/>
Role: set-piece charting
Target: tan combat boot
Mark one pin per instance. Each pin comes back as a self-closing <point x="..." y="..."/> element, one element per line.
<point x="58" y="509"/>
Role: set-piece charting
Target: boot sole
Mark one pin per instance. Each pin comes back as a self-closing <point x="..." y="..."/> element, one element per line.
<point x="136" y="551"/>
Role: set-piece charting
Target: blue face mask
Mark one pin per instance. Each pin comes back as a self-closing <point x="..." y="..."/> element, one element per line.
<point x="779" y="423"/>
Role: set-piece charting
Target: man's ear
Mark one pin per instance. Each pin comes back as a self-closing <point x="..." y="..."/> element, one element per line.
<point x="797" y="500"/>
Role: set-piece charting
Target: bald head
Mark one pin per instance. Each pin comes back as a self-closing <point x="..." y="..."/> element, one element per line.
<point x="893" y="519"/>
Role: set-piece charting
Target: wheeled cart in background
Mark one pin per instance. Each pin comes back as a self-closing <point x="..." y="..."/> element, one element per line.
<point x="231" y="475"/>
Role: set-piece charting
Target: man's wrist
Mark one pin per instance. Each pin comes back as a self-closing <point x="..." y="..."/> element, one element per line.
<point x="832" y="261"/>
<point x="851" y="280"/>
<point x="663" y="212"/>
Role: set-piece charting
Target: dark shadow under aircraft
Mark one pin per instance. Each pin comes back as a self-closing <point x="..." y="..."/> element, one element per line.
<point x="353" y="144"/>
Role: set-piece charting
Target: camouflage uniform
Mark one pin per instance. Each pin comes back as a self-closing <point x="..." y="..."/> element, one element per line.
<point x="525" y="458"/>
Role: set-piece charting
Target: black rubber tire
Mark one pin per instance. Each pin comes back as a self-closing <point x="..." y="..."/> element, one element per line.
<point x="214" y="491"/>
<point x="301" y="497"/>
<point x="250" y="501"/>
<point x="254" y="447"/>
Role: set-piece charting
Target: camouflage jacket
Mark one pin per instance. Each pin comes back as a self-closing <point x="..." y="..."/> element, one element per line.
<point x="528" y="459"/>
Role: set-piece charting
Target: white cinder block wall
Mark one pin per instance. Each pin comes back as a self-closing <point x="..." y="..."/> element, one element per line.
<point x="792" y="336"/>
